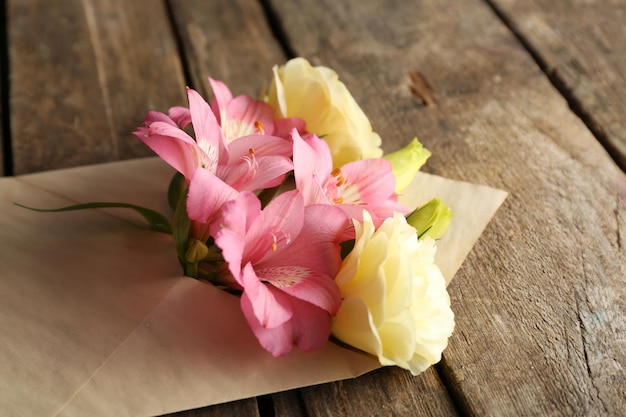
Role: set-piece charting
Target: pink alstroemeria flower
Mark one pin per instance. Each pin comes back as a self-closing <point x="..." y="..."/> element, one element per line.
<point x="285" y="258"/>
<point x="214" y="169"/>
<point x="365" y="184"/>
<point x="242" y="115"/>
<point x="249" y="162"/>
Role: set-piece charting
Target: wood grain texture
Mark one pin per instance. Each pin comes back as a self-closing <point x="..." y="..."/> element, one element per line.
<point x="232" y="42"/>
<point x="84" y="79"/>
<point x="582" y="45"/>
<point x="4" y="139"/>
<point x="384" y="392"/>
<point x="229" y="41"/>
<point x="540" y="302"/>
<point x="247" y="408"/>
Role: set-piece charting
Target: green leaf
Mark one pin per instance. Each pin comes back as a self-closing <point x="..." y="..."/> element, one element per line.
<point x="156" y="220"/>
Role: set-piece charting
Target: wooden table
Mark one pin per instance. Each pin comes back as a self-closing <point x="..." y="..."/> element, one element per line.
<point x="524" y="95"/>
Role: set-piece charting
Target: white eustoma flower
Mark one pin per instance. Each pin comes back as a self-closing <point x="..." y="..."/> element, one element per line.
<point x="395" y="303"/>
<point x="315" y="95"/>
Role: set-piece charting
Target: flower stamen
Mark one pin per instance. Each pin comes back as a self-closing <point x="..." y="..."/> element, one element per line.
<point x="282" y="236"/>
<point x="259" y="126"/>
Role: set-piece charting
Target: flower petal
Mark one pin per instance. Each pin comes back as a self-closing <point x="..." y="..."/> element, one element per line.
<point x="221" y="97"/>
<point x="278" y="340"/>
<point x="263" y="145"/>
<point x="180" y="115"/>
<point x="311" y="326"/>
<point x="230" y="233"/>
<point x="172" y="144"/>
<point x="277" y="226"/>
<point x="312" y="167"/>
<point x="353" y="325"/>
<point x="305" y="284"/>
<point x="253" y="173"/>
<point x="317" y="246"/>
<point x="245" y="116"/>
<point x="284" y="126"/>
<point x="207" y="195"/>
<point x="209" y="136"/>
<point x="156" y="116"/>
<point x="271" y="307"/>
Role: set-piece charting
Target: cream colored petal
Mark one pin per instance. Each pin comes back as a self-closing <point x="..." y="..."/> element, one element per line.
<point x="353" y="325"/>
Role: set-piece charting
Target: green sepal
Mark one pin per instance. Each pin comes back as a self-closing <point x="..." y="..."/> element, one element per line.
<point x="156" y="220"/>
<point x="181" y="229"/>
<point x="175" y="190"/>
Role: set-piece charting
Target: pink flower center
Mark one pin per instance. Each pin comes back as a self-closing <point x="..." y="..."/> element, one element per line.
<point x="338" y="190"/>
<point x="208" y="159"/>
<point x="283" y="276"/>
<point x="234" y="128"/>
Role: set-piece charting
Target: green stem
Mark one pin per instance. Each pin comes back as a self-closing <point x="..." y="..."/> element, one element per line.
<point x="192" y="270"/>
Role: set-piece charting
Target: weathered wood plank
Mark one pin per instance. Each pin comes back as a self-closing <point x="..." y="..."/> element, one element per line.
<point x="582" y="46"/>
<point x="230" y="41"/>
<point x="3" y="144"/>
<point x="540" y="302"/>
<point x="287" y="403"/>
<point x="4" y="140"/>
<point x="387" y="391"/>
<point x="82" y="82"/>
<point x="243" y="408"/>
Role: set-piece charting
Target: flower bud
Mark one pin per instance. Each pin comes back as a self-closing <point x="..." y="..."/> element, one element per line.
<point x="196" y="251"/>
<point x="406" y="162"/>
<point x="432" y="219"/>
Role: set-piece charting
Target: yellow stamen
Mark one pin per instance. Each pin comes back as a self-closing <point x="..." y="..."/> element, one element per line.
<point x="339" y="200"/>
<point x="335" y="172"/>
<point x="251" y="151"/>
<point x="259" y="126"/>
<point x="340" y="181"/>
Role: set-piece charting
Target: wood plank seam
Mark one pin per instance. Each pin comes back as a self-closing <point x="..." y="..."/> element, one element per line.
<point x="180" y="46"/>
<point x="561" y="86"/>
<point x="276" y="27"/>
<point x="6" y="152"/>
<point x="459" y="400"/>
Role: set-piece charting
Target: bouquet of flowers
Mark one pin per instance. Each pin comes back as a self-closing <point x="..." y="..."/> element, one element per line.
<point x="289" y="202"/>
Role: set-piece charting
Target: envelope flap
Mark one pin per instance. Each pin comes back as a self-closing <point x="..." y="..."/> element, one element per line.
<point x="473" y="205"/>
<point x="196" y="349"/>
<point x="73" y="287"/>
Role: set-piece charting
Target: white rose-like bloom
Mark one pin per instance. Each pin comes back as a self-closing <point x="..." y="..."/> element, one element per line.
<point x="315" y="95"/>
<point x="395" y="303"/>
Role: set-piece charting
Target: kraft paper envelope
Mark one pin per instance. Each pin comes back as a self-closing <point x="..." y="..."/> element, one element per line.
<point x="97" y="319"/>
